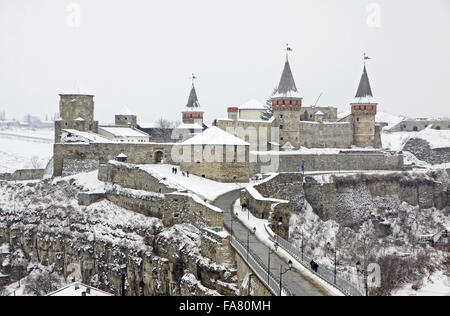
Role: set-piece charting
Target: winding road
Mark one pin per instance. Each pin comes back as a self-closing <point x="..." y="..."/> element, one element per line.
<point x="298" y="285"/>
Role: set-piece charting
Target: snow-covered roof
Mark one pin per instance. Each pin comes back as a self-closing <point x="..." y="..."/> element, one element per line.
<point x="252" y="105"/>
<point x="215" y="136"/>
<point x="287" y="87"/>
<point x="77" y="89"/>
<point x="126" y="111"/>
<point x="364" y="100"/>
<point x="122" y="155"/>
<point x="79" y="119"/>
<point x="190" y="126"/>
<point x="122" y="131"/>
<point x="149" y="125"/>
<point x="77" y="289"/>
<point x="96" y="138"/>
<point x="319" y="113"/>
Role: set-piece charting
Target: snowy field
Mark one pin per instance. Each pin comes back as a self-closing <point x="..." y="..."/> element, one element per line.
<point x="24" y="149"/>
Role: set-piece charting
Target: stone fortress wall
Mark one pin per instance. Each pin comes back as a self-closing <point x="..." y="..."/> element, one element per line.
<point x="64" y="154"/>
<point x="340" y="161"/>
<point x="415" y="125"/>
<point x="141" y="192"/>
<point x="23" y="175"/>
<point x="326" y="135"/>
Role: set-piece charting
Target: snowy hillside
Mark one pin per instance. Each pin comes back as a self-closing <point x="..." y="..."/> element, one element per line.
<point x="24" y="149"/>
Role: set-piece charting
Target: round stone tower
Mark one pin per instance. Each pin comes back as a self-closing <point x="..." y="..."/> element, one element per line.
<point x="76" y="111"/>
<point x="364" y="110"/>
<point x="286" y="105"/>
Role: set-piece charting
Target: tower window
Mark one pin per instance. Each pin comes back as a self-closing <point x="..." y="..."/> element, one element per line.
<point x="281" y="126"/>
<point x="281" y="116"/>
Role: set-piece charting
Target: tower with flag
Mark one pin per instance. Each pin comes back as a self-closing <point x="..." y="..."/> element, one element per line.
<point x="192" y="113"/>
<point x="364" y="110"/>
<point x="286" y="105"/>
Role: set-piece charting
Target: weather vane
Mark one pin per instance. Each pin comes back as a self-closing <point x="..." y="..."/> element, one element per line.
<point x="193" y="78"/>
<point x="288" y="49"/>
<point x="366" y="58"/>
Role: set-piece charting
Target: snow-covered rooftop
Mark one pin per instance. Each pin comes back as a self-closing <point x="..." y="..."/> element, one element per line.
<point x="126" y="111"/>
<point x="77" y="289"/>
<point x="215" y="136"/>
<point x="190" y="126"/>
<point x="122" y="131"/>
<point x="252" y="105"/>
<point x="95" y="138"/>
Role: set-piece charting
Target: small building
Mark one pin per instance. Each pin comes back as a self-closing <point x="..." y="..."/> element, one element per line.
<point x="79" y="289"/>
<point x="216" y="155"/>
<point x="126" y="117"/>
<point x="122" y="158"/>
<point x="124" y="134"/>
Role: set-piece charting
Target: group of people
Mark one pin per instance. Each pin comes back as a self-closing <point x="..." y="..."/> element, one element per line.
<point x="314" y="266"/>
<point x="175" y="171"/>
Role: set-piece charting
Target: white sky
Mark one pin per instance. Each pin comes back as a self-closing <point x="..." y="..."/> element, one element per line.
<point x="141" y="54"/>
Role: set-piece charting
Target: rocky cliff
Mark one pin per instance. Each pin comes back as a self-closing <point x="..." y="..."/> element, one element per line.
<point x="106" y="246"/>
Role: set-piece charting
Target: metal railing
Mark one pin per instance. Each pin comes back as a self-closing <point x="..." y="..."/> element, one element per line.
<point x="261" y="272"/>
<point x="324" y="273"/>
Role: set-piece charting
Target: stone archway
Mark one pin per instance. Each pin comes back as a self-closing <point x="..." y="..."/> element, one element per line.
<point x="159" y="156"/>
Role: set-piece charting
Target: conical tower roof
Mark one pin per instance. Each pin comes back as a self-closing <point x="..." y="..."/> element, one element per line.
<point x="193" y="100"/>
<point x="364" y="93"/>
<point x="287" y="87"/>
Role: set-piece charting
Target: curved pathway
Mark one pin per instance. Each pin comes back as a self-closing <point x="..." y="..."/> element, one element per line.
<point x="298" y="285"/>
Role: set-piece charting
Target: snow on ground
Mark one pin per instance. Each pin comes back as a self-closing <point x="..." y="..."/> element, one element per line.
<point x="263" y="233"/>
<point x="45" y="134"/>
<point x="381" y="117"/>
<point x="396" y="140"/>
<point x="17" y="153"/>
<point x="437" y="284"/>
<point x="206" y="188"/>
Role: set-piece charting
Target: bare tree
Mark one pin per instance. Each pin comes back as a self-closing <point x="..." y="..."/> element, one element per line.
<point x="35" y="162"/>
<point x="40" y="284"/>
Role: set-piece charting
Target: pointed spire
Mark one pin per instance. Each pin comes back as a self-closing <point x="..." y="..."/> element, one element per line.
<point x="364" y="89"/>
<point x="193" y="100"/>
<point x="287" y="87"/>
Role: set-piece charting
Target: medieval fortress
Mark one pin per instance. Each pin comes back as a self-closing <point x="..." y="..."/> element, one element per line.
<point x="232" y="149"/>
<point x="275" y="159"/>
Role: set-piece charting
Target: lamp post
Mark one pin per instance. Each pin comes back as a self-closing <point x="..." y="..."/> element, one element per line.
<point x="232" y="220"/>
<point x="330" y="248"/>
<point x="364" y="273"/>
<point x="284" y="272"/>
<point x="248" y="240"/>
<point x="279" y="223"/>
<point x="268" y="263"/>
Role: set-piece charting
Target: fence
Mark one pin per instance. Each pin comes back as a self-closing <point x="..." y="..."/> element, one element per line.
<point x="324" y="273"/>
<point x="261" y="272"/>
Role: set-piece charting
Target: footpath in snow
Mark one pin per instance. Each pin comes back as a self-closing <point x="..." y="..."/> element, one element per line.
<point x="264" y="234"/>
<point x="205" y="188"/>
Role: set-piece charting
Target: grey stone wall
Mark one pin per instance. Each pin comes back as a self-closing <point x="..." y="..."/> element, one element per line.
<point x="130" y="176"/>
<point x="104" y="152"/>
<point x="23" y="175"/>
<point x="307" y="112"/>
<point x="326" y="135"/>
<point x="216" y="247"/>
<point x="375" y="160"/>
<point x="339" y="199"/>
<point x="419" y="124"/>
<point x="226" y="168"/>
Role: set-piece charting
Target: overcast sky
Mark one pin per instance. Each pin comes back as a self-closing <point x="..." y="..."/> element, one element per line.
<point x="141" y="54"/>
